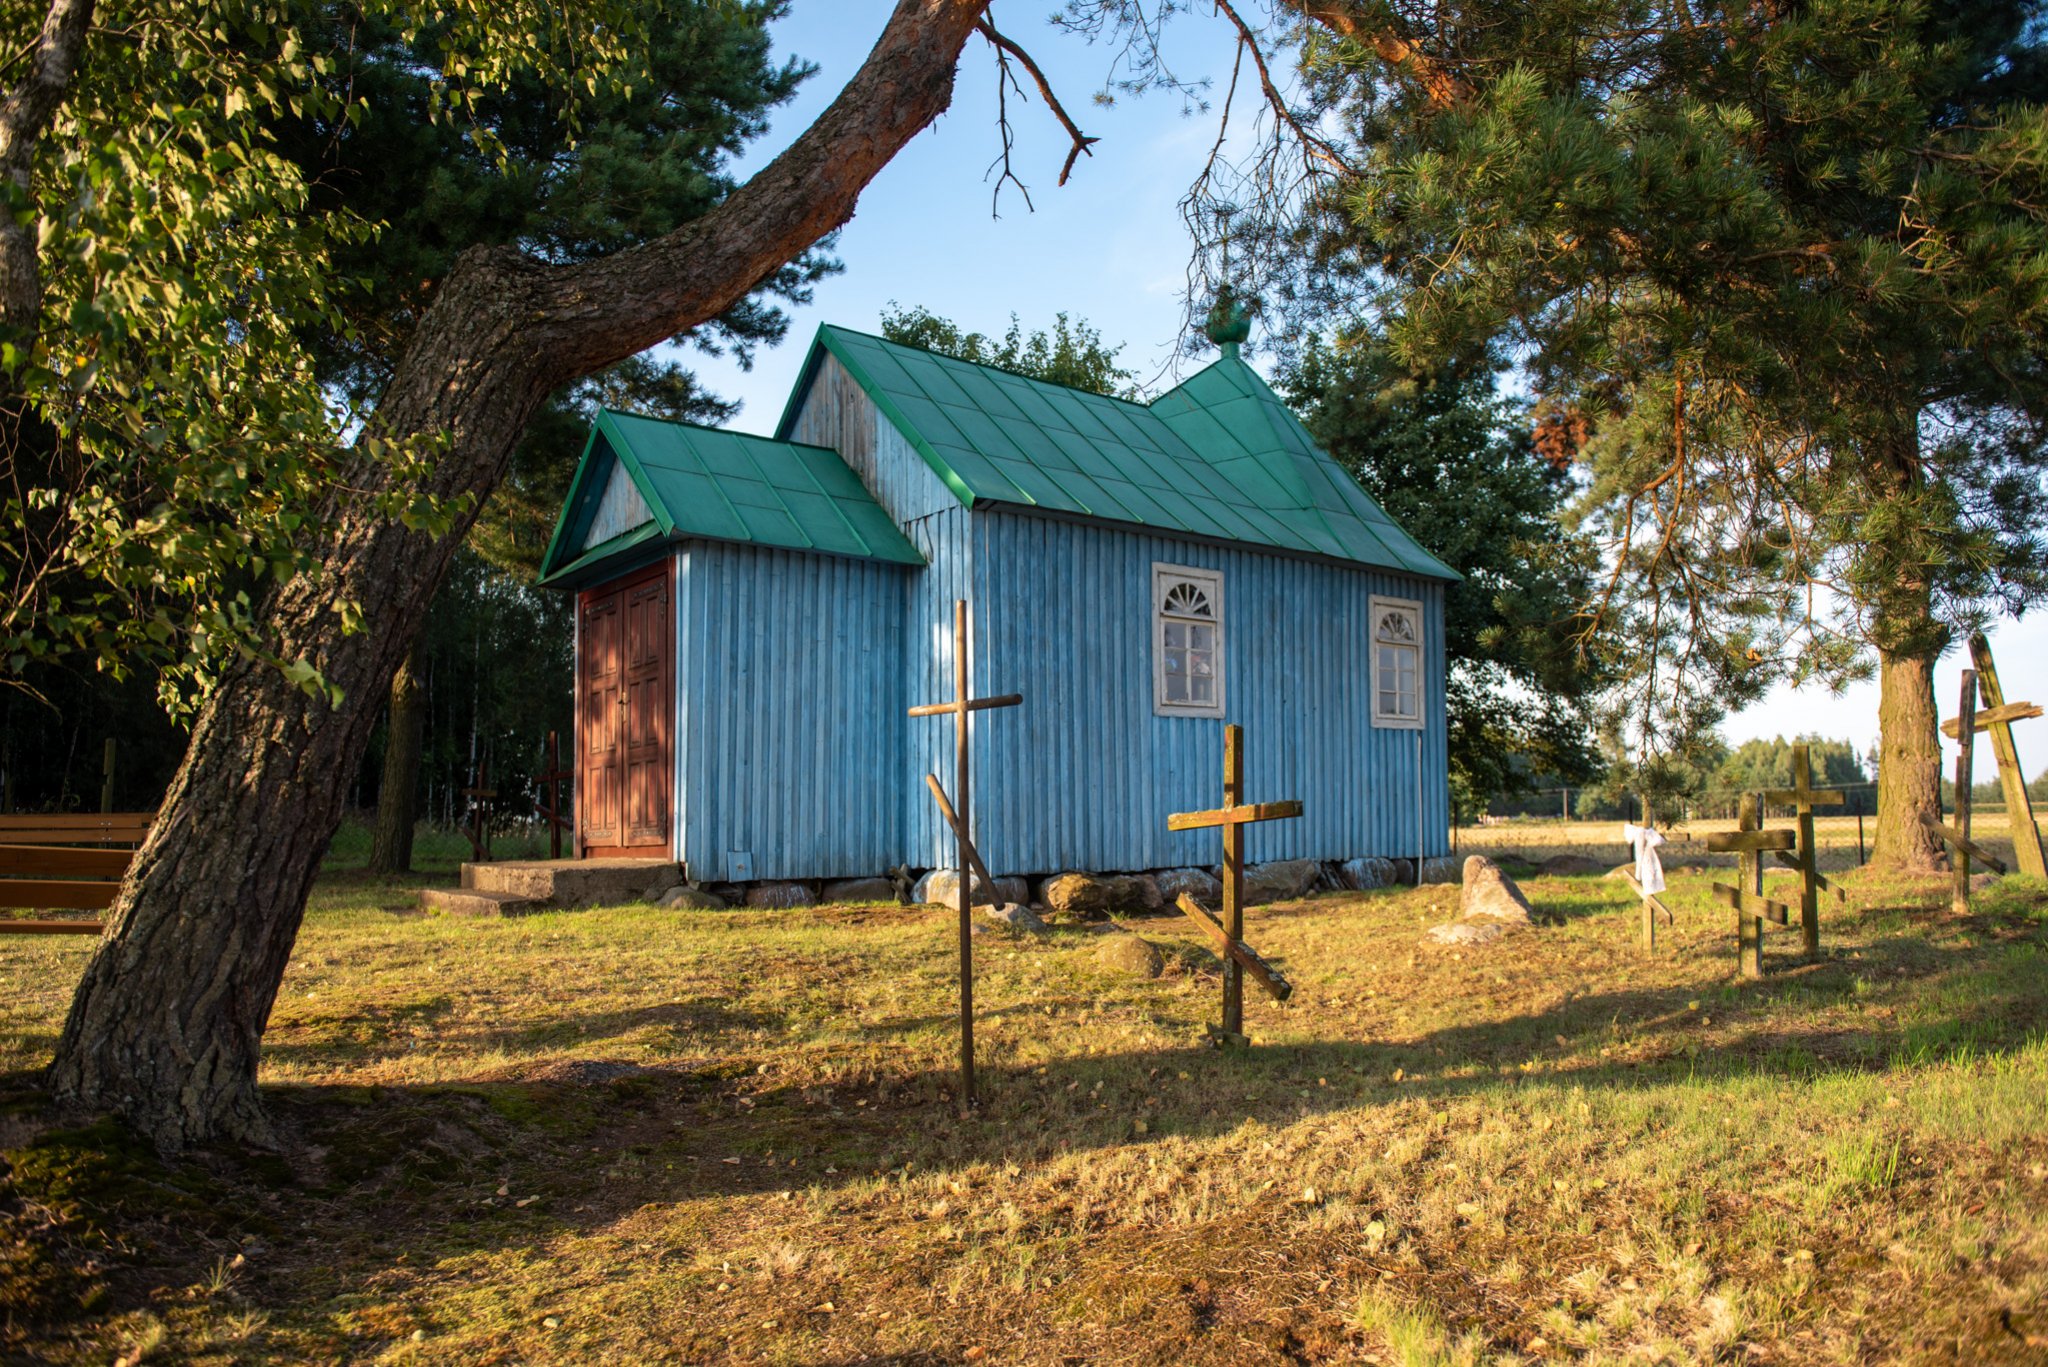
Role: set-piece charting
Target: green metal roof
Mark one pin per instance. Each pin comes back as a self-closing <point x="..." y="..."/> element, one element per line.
<point x="1221" y="456"/>
<point x="704" y="482"/>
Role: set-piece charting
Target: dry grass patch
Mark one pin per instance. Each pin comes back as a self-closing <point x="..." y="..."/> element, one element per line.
<point x="636" y="1135"/>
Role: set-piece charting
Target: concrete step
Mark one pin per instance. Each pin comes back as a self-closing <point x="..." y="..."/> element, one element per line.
<point x="574" y="882"/>
<point x="470" y="902"/>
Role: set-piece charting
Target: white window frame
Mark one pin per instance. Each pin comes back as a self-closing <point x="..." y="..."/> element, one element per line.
<point x="1164" y="578"/>
<point x="1412" y="608"/>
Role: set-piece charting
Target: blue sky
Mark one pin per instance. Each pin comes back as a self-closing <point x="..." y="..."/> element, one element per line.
<point x="1110" y="247"/>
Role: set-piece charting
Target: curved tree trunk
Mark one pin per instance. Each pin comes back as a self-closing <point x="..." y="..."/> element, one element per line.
<point x="398" y="786"/>
<point x="167" y="1021"/>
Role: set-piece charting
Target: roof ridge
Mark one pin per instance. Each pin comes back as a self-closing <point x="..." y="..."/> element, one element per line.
<point x="707" y="427"/>
<point x="984" y="365"/>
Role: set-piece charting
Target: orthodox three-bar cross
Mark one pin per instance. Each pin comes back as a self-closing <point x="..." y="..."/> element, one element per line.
<point x="1803" y="797"/>
<point x="968" y="863"/>
<point x="1233" y="816"/>
<point x="1965" y="728"/>
<point x="1752" y="908"/>
<point x="1997" y="716"/>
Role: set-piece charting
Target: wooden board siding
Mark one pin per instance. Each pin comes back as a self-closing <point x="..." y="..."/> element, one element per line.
<point x="1084" y="775"/>
<point x="625" y="684"/>
<point x="619" y="509"/>
<point x="834" y="411"/>
<point x="790" y="712"/>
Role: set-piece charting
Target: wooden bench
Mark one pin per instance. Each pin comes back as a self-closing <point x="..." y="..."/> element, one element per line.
<point x="73" y="862"/>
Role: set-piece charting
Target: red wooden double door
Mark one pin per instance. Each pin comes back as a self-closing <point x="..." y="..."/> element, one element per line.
<point x="625" y="716"/>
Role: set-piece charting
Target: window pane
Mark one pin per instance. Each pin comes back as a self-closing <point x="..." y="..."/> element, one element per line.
<point x="1176" y="635"/>
<point x="1201" y="638"/>
<point x="1204" y="689"/>
<point x="1176" y="688"/>
<point x="1199" y="664"/>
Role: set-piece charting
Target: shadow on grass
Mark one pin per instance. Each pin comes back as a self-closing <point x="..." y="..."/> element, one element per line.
<point x="374" y="1176"/>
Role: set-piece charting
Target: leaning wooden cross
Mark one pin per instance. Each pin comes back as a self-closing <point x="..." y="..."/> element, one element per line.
<point x="1238" y="957"/>
<point x="1997" y="716"/>
<point x="1752" y="908"/>
<point x="1803" y="797"/>
<point x="1961" y="847"/>
<point x="968" y="861"/>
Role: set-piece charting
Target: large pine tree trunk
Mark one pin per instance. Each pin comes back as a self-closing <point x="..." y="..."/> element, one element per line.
<point x="398" y="787"/>
<point x="1909" y="640"/>
<point x="168" y="1018"/>
<point x="1908" y="764"/>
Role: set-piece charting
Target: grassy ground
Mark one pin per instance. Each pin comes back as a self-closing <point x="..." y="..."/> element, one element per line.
<point x="633" y="1136"/>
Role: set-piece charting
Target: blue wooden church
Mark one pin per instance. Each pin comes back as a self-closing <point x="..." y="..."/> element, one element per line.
<point x="755" y="615"/>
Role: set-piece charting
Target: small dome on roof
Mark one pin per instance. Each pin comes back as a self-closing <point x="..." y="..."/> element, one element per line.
<point x="1230" y="323"/>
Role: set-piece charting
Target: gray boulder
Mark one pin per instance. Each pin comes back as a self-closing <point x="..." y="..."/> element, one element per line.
<point x="941" y="888"/>
<point x="1489" y="892"/>
<point x="1440" y="868"/>
<point x="1570" y="866"/>
<point x="1477" y="932"/>
<point x="1200" y="884"/>
<point x="781" y="896"/>
<point x="843" y="891"/>
<point x="688" y="898"/>
<point x="1017" y="917"/>
<point x="1281" y="880"/>
<point x="1363" y="875"/>
<point x="1130" y="955"/>
<point x="1093" y="895"/>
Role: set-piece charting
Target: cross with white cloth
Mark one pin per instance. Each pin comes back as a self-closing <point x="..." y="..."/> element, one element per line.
<point x="1643" y="841"/>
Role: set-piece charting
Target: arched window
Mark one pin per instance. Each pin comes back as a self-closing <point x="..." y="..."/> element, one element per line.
<point x="1396" y="662"/>
<point x="1187" y="612"/>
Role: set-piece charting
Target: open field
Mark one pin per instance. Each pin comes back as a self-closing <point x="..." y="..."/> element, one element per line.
<point x="635" y="1136"/>
<point x="1539" y="839"/>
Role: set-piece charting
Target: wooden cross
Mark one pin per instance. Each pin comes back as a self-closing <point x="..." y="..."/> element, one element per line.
<point x="555" y="776"/>
<point x="1751" y="906"/>
<point x="1233" y="816"/>
<point x="1803" y="797"/>
<point x="1997" y="717"/>
<point x="968" y="860"/>
<point x="479" y="835"/>
<point x="1961" y="847"/>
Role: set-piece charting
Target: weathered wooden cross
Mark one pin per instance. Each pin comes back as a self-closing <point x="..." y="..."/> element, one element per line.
<point x="1961" y="847"/>
<point x="1752" y="908"/>
<point x="1233" y="816"/>
<point x="1997" y="717"/>
<point x="1804" y="797"/>
<point x="968" y="862"/>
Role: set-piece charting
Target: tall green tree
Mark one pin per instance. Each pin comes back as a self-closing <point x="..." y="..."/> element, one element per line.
<point x="1448" y="458"/>
<point x="366" y="518"/>
<point x="1069" y="353"/>
<point x="565" y="181"/>
<point x="1784" y="265"/>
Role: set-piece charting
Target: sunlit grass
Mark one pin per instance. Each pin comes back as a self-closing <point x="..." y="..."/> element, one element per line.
<point x="636" y="1135"/>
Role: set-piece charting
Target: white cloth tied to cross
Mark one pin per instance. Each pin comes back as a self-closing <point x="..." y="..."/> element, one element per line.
<point x="1644" y="840"/>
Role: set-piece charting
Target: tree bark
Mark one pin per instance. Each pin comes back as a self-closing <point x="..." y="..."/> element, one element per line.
<point x="166" y="1025"/>
<point x="1909" y="763"/>
<point x="398" y="786"/>
<point x="1909" y="640"/>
